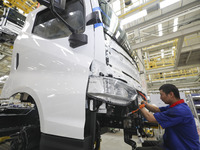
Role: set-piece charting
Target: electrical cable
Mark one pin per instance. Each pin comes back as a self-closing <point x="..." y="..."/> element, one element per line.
<point x="140" y="106"/>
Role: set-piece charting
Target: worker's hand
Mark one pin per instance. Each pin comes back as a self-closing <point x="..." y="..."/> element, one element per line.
<point x="142" y="106"/>
<point x="144" y="102"/>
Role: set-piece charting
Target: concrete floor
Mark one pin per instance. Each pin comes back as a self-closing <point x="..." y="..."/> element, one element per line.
<point x="110" y="141"/>
<point x="115" y="141"/>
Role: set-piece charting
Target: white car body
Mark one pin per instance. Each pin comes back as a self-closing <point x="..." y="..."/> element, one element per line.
<point x="57" y="75"/>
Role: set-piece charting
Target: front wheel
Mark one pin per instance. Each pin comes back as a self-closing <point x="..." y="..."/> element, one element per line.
<point x="27" y="139"/>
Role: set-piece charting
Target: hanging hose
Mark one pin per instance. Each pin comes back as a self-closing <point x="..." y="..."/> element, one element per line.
<point x="127" y="139"/>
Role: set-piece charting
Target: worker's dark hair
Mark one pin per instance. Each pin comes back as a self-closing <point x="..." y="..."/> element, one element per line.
<point x="167" y="88"/>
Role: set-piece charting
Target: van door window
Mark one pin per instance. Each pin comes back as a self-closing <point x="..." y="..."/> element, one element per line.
<point x="48" y="26"/>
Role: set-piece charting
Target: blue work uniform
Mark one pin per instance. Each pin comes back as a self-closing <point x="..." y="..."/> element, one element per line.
<point x="180" y="128"/>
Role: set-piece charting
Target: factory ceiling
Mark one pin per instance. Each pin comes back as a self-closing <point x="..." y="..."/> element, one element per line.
<point x="168" y="34"/>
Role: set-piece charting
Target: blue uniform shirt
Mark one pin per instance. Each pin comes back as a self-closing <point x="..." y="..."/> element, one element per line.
<point x="180" y="129"/>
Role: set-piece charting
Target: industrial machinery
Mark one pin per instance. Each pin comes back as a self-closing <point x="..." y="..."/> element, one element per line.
<point x="11" y="23"/>
<point x="74" y="76"/>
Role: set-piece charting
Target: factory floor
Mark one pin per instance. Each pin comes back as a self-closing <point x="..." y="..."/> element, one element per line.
<point x="110" y="141"/>
<point x="115" y="141"/>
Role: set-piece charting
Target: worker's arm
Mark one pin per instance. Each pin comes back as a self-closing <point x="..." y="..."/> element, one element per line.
<point x="150" y="107"/>
<point x="149" y="116"/>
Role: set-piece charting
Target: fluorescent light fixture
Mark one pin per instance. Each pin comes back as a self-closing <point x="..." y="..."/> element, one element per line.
<point x="20" y="11"/>
<point x="160" y="29"/>
<point x="173" y="48"/>
<point x="113" y="25"/>
<point x="162" y="53"/>
<point x="134" y="17"/>
<point x="166" y="3"/>
<point x="172" y="52"/>
<point x="121" y="26"/>
<point x="175" y="25"/>
<point x="116" y="7"/>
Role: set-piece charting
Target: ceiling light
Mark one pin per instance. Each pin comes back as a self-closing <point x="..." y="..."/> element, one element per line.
<point x="166" y="3"/>
<point x="134" y="17"/>
<point x="116" y="7"/>
<point x="20" y="11"/>
<point x="160" y="29"/>
<point x="175" y="25"/>
<point x="162" y="53"/>
<point x="172" y="52"/>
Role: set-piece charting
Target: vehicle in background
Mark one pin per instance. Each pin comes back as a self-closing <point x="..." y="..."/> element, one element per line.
<point x="11" y="23"/>
<point x="73" y="63"/>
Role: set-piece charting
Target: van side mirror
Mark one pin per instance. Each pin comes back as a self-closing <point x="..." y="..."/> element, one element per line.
<point x="77" y="40"/>
<point x="72" y="14"/>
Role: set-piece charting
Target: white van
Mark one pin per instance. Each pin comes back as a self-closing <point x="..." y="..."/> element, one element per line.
<point x="72" y="61"/>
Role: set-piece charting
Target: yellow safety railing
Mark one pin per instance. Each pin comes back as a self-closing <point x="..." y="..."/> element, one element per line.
<point x="160" y="44"/>
<point x="173" y="75"/>
<point x="158" y="62"/>
<point x="135" y="9"/>
<point x="25" y="5"/>
<point x="191" y="38"/>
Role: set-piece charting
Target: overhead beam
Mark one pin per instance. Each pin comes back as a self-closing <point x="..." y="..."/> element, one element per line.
<point x="190" y="48"/>
<point x="169" y="69"/>
<point x="169" y="15"/>
<point x="167" y="37"/>
<point x="162" y="46"/>
<point x="178" y="51"/>
<point x="4" y="58"/>
<point x="180" y="89"/>
<point x="178" y="84"/>
<point x="163" y="69"/>
<point x="154" y="89"/>
<point x="5" y="53"/>
<point x="137" y="8"/>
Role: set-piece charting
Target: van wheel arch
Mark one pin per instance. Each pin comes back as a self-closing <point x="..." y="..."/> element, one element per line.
<point x="28" y="137"/>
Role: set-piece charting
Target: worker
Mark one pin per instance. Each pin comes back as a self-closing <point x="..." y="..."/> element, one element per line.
<point x="176" y="119"/>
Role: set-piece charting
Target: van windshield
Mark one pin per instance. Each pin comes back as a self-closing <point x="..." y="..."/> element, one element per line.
<point x="112" y="25"/>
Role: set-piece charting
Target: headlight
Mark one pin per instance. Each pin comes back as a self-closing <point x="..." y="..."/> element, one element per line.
<point x="111" y="91"/>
